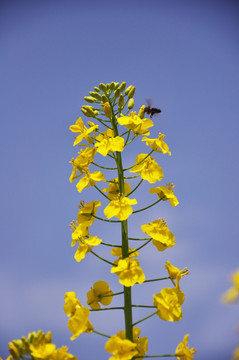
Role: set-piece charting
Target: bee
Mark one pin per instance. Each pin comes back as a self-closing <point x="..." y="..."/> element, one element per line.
<point x="151" y="110"/>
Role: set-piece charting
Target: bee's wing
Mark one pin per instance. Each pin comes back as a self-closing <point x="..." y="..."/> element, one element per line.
<point x="149" y="102"/>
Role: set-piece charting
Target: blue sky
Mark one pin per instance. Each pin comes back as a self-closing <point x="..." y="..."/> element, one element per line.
<point x="184" y="55"/>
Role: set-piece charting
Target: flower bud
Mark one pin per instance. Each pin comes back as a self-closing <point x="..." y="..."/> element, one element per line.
<point x="117" y="93"/>
<point x="13" y="351"/>
<point x="122" y="86"/>
<point x="108" y="110"/>
<point x="102" y="87"/>
<point x="128" y="89"/>
<point x="141" y="112"/>
<point x="131" y="92"/>
<point x="89" y="99"/>
<point x="48" y="337"/>
<point x="131" y="104"/>
<point x="112" y="85"/>
<point x="108" y="86"/>
<point x="121" y="101"/>
<point x="96" y="89"/>
<point x="116" y="85"/>
<point x="95" y="95"/>
<point x="88" y="111"/>
<point x="104" y="98"/>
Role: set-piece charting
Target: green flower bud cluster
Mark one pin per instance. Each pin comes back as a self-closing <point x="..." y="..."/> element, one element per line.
<point x="114" y="93"/>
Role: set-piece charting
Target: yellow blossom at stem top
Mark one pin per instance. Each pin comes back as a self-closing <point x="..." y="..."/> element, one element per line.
<point x="62" y="354"/>
<point x="87" y="212"/>
<point x="43" y="351"/>
<point x="168" y="303"/>
<point x="89" y="179"/>
<point x="148" y="168"/>
<point x="165" y="193"/>
<point x="79" y="127"/>
<point x="106" y="142"/>
<point x="134" y="123"/>
<point x="129" y="272"/>
<point x="141" y="343"/>
<point x="162" y="237"/>
<point x="113" y="189"/>
<point x="233" y="293"/>
<point x="120" y="208"/>
<point x="122" y="349"/>
<point x="157" y="144"/>
<point x="99" y="293"/>
<point x="78" y="322"/>
<point x="183" y="352"/>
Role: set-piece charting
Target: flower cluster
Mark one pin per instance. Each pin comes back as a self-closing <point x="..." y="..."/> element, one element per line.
<point x="38" y="346"/>
<point x="117" y="127"/>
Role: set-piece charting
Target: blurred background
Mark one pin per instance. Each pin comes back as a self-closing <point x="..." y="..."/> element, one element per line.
<point x="184" y="56"/>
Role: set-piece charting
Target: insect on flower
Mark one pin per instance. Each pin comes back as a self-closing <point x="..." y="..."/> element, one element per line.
<point x="151" y="110"/>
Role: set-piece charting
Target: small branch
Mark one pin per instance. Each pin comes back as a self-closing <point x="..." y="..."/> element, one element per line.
<point x="147" y="207"/>
<point x="101" y="192"/>
<point x="136" y="187"/>
<point x="145" y="318"/>
<point x="151" y="280"/>
<point x="131" y="177"/>
<point x="153" y="356"/>
<point x="138" y="239"/>
<point x="112" y="221"/>
<point x="103" y="243"/>
<point x="131" y="252"/>
<point x="103" y="167"/>
<point x="111" y="308"/>
<point x="99" y="333"/>
<point x="144" y="306"/>
<point x="108" y="262"/>
<point x="139" y="161"/>
<point x="114" y="294"/>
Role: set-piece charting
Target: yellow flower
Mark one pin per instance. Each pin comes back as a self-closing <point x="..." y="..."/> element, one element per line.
<point x="43" y="351"/>
<point x="168" y="303"/>
<point x="148" y="168"/>
<point x="113" y="189"/>
<point x="79" y="315"/>
<point x="90" y="179"/>
<point x="174" y="272"/>
<point x="141" y="343"/>
<point x="87" y="212"/>
<point x="98" y="294"/>
<point x="79" y="322"/>
<point x="134" y="123"/>
<point x="183" y="352"/>
<point x="82" y="161"/>
<point x="122" y="349"/>
<point x="79" y="127"/>
<point x="71" y="302"/>
<point x="78" y="232"/>
<point x="62" y="354"/>
<point x="129" y="272"/>
<point x="232" y="294"/>
<point x="165" y="193"/>
<point x="160" y="233"/>
<point x="86" y="246"/>
<point x="120" y="208"/>
<point x="157" y="144"/>
<point x="106" y="142"/>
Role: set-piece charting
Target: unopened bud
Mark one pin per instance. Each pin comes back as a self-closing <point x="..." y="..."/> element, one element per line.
<point x="95" y="95"/>
<point x="116" y="85"/>
<point x="96" y="89"/>
<point x="89" y="99"/>
<point x="104" y="98"/>
<point x="13" y="351"/>
<point x="131" y="92"/>
<point x="108" y="110"/>
<point x="121" y="101"/>
<point x="128" y="89"/>
<point x="141" y="112"/>
<point x="117" y="93"/>
<point x="131" y="104"/>
<point x="112" y="85"/>
<point x="88" y="111"/>
<point x="122" y="86"/>
<point x="108" y="86"/>
<point x="102" y="87"/>
<point x="48" y="337"/>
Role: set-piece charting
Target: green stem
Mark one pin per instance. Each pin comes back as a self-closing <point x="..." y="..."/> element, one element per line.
<point x="147" y="207"/>
<point x="99" y="257"/>
<point x="153" y="356"/>
<point x="144" y="306"/>
<point x="151" y="280"/>
<point x="106" y="244"/>
<point x="145" y="318"/>
<point x="99" y="333"/>
<point x="137" y="239"/>
<point x="125" y="246"/>
<point x="99" y="218"/>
